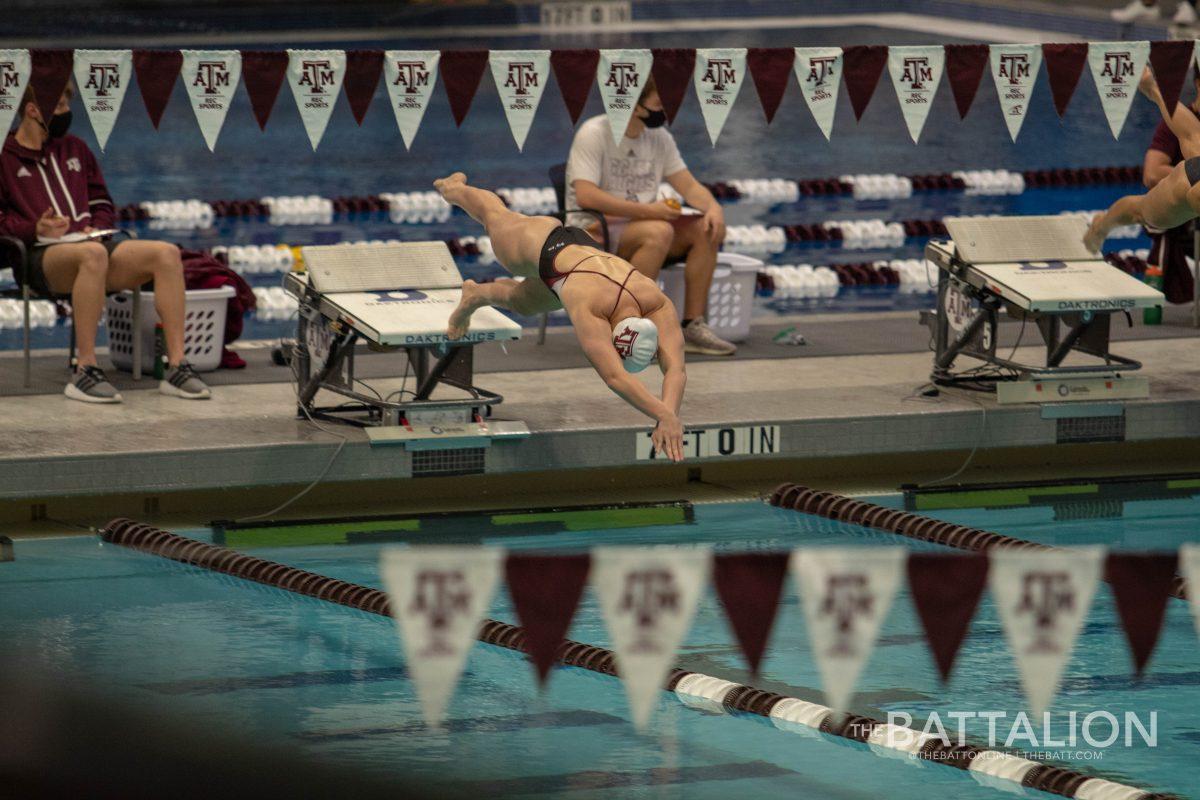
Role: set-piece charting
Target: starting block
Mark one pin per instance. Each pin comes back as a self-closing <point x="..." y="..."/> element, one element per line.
<point x="1035" y="269"/>
<point x="394" y="297"/>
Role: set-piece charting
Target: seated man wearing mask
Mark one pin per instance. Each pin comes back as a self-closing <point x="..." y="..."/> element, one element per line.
<point x="621" y="181"/>
<point x="51" y="186"/>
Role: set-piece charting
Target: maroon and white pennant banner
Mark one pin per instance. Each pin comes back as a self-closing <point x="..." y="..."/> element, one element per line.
<point x="846" y="594"/>
<point x="965" y="65"/>
<point x="410" y="76"/>
<point x="316" y="78"/>
<point x="945" y="589"/>
<point x="673" y="69"/>
<point x="749" y="585"/>
<point x="1064" y="65"/>
<point x="211" y="77"/>
<point x="545" y="592"/>
<point x="770" y="68"/>
<point x="14" y="79"/>
<point x="49" y="74"/>
<point x="648" y="596"/>
<point x="439" y="596"/>
<point x="916" y="73"/>
<point x="718" y="78"/>
<point x="819" y="73"/>
<point x="1043" y="598"/>
<point x="1015" y="69"/>
<point x="573" y="70"/>
<point x="1116" y="68"/>
<point x="102" y="77"/>
<point x="1141" y="584"/>
<point x="263" y="72"/>
<point x="521" y="77"/>
<point x="1189" y="567"/>
<point x="156" y="71"/>
<point x="621" y="74"/>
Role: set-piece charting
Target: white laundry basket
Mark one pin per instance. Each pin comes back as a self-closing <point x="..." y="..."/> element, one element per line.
<point x="203" y="328"/>
<point x="730" y="298"/>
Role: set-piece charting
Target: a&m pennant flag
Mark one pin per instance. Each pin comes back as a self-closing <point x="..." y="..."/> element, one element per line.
<point x="749" y="585"/>
<point x="1141" y="584"/>
<point x="1043" y="598"/>
<point x="648" y="596"/>
<point x="718" y="77"/>
<point x="1189" y="566"/>
<point x="211" y="77"/>
<point x="316" y="78"/>
<point x="916" y="73"/>
<point x="945" y="590"/>
<point x="410" y="76"/>
<point x="1015" y="70"/>
<point x="819" y="73"/>
<point x="520" y="77"/>
<point x="102" y="77"/>
<point x="621" y="74"/>
<point x="14" y="79"/>
<point x="439" y="596"/>
<point x="1116" y="68"/>
<point x="545" y="591"/>
<point x="846" y="593"/>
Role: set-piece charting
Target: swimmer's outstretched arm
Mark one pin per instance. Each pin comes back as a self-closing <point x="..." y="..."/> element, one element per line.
<point x="595" y="337"/>
<point x="1181" y="120"/>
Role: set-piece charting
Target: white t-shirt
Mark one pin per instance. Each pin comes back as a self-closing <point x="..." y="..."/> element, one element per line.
<point x="631" y="170"/>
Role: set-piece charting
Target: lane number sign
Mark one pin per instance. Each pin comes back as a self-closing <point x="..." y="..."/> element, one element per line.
<point x="748" y="440"/>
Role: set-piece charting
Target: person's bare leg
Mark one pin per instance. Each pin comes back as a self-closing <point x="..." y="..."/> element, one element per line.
<point x="526" y="297"/>
<point x="1165" y="206"/>
<point x="134" y="263"/>
<point x="645" y="244"/>
<point x="79" y="269"/>
<point x="516" y="239"/>
<point x="699" y="265"/>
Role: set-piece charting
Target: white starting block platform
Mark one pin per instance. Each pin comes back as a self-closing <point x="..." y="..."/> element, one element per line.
<point x="393" y="296"/>
<point x="1038" y="270"/>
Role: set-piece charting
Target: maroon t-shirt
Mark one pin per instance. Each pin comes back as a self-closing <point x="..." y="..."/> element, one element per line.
<point x="1166" y="142"/>
<point x="63" y="175"/>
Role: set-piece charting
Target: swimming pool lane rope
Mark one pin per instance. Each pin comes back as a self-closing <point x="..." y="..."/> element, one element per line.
<point x="692" y="688"/>
<point x="840" y="508"/>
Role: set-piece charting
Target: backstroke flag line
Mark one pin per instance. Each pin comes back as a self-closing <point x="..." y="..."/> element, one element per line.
<point x="439" y="596"/>
<point x="316" y="78"/>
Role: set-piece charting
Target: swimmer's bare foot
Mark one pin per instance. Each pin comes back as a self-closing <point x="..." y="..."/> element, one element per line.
<point x="1095" y="235"/>
<point x="460" y="319"/>
<point x="446" y="186"/>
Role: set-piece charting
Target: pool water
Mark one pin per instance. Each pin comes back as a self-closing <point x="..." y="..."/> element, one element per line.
<point x="275" y="666"/>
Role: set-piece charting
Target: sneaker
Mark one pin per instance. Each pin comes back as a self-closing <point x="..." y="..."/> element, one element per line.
<point x="184" y="382"/>
<point x="90" y="385"/>
<point x="699" y="338"/>
<point x="1136" y="11"/>
<point x="1185" y="14"/>
<point x="231" y="360"/>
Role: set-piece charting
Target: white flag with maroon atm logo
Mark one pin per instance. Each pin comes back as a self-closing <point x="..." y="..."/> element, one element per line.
<point x="648" y="596"/>
<point x="520" y="77"/>
<point x="916" y="73"/>
<point x="1116" y="69"/>
<point x="718" y="77"/>
<point x="621" y="75"/>
<point x="1042" y="598"/>
<point x="316" y="78"/>
<point x="819" y="72"/>
<point x="102" y="77"/>
<point x="14" y="79"/>
<point x="1189" y="566"/>
<point x="439" y="596"/>
<point x="846" y="593"/>
<point x="1015" y="70"/>
<point x="211" y="77"/>
<point x="410" y="76"/>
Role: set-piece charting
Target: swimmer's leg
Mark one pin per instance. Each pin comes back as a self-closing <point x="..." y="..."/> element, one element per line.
<point x="528" y="297"/>
<point x="1166" y="206"/>
<point x="516" y="239"/>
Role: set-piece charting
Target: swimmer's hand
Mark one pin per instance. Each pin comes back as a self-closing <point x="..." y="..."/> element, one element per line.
<point x="668" y="210"/>
<point x="667" y="437"/>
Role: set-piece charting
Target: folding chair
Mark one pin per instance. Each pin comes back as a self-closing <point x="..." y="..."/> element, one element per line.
<point x="16" y="255"/>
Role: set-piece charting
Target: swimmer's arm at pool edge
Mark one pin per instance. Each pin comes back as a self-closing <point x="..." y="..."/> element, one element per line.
<point x="595" y="337"/>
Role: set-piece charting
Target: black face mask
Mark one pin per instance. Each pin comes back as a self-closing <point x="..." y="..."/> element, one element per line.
<point x="654" y="119"/>
<point x="59" y="125"/>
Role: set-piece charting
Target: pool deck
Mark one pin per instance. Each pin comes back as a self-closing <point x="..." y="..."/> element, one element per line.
<point x="855" y="422"/>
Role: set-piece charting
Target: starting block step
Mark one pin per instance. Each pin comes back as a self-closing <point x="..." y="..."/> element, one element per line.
<point x="447" y="435"/>
<point x="1076" y="388"/>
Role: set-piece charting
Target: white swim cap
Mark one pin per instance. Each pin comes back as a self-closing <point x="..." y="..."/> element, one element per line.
<point x="636" y="340"/>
